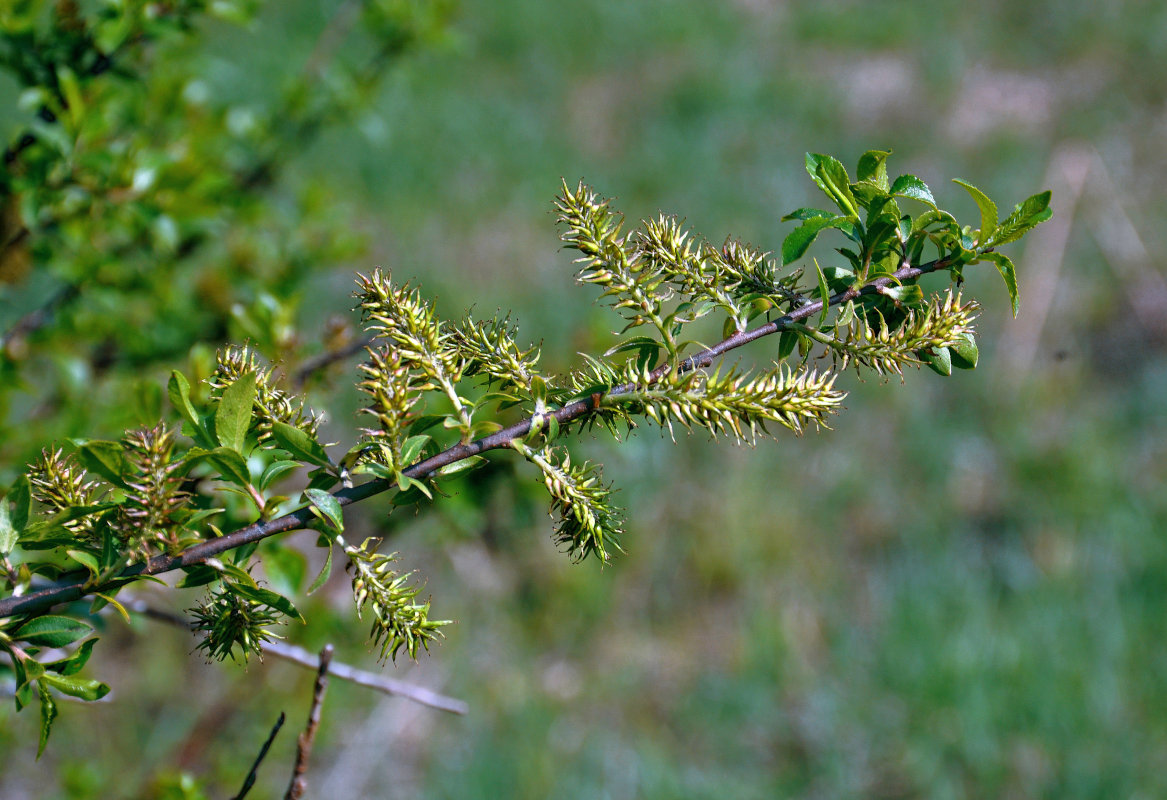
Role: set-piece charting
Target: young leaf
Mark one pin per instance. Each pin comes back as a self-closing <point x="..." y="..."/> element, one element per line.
<point x="231" y="465"/>
<point x="806" y="213"/>
<point x="299" y="444"/>
<point x="83" y="688"/>
<point x="909" y="294"/>
<point x="965" y="353"/>
<point x="939" y="361"/>
<point x="831" y="176"/>
<point x="274" y="471"/>
<point x="411" y="448"/>
<point x="786" y="341"/>
<point x="85" y="559"/>
<point x="233" y="414"/>
<point x="873" y="167"/>
<point x="48" y="714"/>
<point x="75" y="661"/>
<point x="267" y="597"/>
<point x="328" y="506"/>
<point x="799" y="240"/>
<point x="325" y="571"/>
<point x="988" y="211"/>
<point x="9" y="531"/>
<point x="1008" y="273"/>
<point x="51" y="631"/>
<point x="912" y="187"/>
<point x="178" y="389"/>
<point x="1027" y="214"/>
<point x="457" y="467"/>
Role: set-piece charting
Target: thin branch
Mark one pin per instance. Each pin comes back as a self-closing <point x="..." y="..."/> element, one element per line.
<point x="304" y="744"/>
<point x="339" y="669"/>
<point x="371" y="680"/>
<point x="327" y="358"/>
<point x="250" y="780"/>
<point x="41" y="316"/>
<point x="76" y="586"/>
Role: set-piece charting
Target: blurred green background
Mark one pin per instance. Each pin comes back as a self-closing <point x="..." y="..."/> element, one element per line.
<point x="959" y="591"/>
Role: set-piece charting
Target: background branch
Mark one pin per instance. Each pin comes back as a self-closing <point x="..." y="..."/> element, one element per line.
<point x="346" y="672"/>
<point x="308" y="737"/>
<point x="251" y="775"/>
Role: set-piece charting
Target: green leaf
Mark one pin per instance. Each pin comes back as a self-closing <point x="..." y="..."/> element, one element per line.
<point x="76" y="660"/>
<point x="964" y="352"/>
<point x="101" y="600"/>
<point x="197" y="575"/>
<point x="909" y="294"/>
<point x="412" y="447"/>
<point x="234" y="572"/>
<point x="831" y="176"/>
<point x="325" y="571"/>
<point x="873" y="167"/>
<point x="83" y="688"/>
<point x="799" y="240"/>
<point x="912" y="187"/>
<point x="231" y="465"/>
<point x="1008" y="274"/>
<point x="9" y="533"/>
<point x="233" y="414"/>
<point x="19" y="500"/>
<point x="274" y="471"/>
<point x="988" y="211"/>
<point x="1027" y="214"/>
<point x="107" y="459"/>
<point x="85" y="559"/>
<point x="939" y="361"/>
<point x="266" y="597"/>
<point x="327" y="505"/>
<point x="299" y="444"/>
<point x="51" y="631"/>
<point x="470" y="462"/>
<point x="178" y="389"/>
<point x="807" y="213"/>
<point x="786" y="341"/>
<point x="48" y="714"/>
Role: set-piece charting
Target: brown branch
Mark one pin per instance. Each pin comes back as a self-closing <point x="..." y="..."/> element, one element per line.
<point x="249" y="781"/>
<point x="345" y="672"/>
<point x="41" y="316"/>
<point x="304" y="744"/>
<point x="370" y="680"/>
<point x="76" y="587"/>
<point x="327" y="358"/>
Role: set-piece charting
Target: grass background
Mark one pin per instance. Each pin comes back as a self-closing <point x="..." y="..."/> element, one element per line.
<point x="959" y="591"/>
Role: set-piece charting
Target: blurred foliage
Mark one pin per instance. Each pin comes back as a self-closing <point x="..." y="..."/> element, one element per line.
<point x="959" y="593"/>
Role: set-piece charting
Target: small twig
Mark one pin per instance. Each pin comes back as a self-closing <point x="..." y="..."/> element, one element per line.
<point x="319" y="362"/>
<point x="41" y="316"/>
<point x="308" y="737"/>
<point x="345" y="672"/>
<point x="332" y="37"/>
<point x="250" y="780"/>
<point x="370" y="680"/>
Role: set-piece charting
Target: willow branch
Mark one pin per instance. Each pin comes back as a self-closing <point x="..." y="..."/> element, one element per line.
<point x="76" y="587"/>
